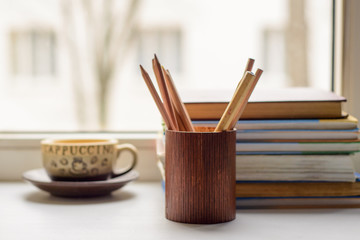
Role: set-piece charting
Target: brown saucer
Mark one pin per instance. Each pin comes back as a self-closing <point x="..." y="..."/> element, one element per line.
<point x="40" y="179"/>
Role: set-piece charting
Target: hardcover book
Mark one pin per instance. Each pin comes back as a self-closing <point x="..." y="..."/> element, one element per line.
<point x="297" y="189"/>
<point x="288" y="103"/>
<point x="333" y="168"/>
<point x="305" y="146"/>
<point x="348" y="122"/>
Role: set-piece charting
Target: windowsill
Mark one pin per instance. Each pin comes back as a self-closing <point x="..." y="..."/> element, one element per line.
<point x="20" y="152"/>
<point x="138" y="212"/>
<point x="31" y="136"/>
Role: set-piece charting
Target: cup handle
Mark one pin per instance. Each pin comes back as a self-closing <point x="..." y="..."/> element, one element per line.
<point x="132" y="149"/>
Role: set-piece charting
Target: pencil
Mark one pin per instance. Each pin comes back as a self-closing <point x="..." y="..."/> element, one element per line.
<point x="249" y="65"/>
<point x="156" y="98"/>
<point x="246" y="99"/>
<point x="248" y="68"/>
<point x="176" y="100"/>
<point x="233" y="106"/>
<point x="164" y="92"/>
<point x="180" y="121"/>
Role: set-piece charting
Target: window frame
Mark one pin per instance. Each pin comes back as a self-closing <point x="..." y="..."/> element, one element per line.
<point x="347" y="54"/>
<point x="21" y="151"/>
<point x="32" y="34"/>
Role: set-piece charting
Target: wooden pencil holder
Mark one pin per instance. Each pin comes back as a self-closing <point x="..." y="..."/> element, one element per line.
<point x="200" y="176"/>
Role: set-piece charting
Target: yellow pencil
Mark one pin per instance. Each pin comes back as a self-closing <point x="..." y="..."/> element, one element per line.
<point x="247" y="94"/>
<point x="233" y="106"/>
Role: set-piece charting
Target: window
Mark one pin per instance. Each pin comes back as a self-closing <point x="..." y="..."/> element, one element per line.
<point x="33" y="53"/>
<point x="164" y="42"/>
<point x="275" y="53"/>
<point x="207" y="32"/>
<point x="93" y="49"/>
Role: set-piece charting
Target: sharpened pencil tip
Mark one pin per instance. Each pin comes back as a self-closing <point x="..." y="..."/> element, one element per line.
<point x="142" y="70"/>
<point x="156" y="59"/>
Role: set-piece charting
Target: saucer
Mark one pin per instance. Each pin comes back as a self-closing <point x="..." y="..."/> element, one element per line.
<point x="40" y="179"/>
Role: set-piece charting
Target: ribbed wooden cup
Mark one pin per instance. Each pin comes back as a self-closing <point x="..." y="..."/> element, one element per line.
<point x="200" y="176"/>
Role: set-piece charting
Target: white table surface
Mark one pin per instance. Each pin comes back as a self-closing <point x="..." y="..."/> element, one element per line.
<point x="137" y="212"/>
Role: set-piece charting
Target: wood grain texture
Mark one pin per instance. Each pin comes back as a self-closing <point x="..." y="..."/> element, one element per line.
<point x="200" y="176"/>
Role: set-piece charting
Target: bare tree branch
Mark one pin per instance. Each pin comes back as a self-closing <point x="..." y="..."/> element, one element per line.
<point x="119" y="42"/>
<point x="75" y="66"/>
<point x="108" y="42"/>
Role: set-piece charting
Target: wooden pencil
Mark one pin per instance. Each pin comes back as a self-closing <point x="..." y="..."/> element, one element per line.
<point x="246" y="99"/>
<point x="176" y="100"/>
<point x="233" y="106"/>
<point x="249" y="65"/>
<point x="248" y="68"/>
<point x="156" y="98"/>
<point x="180" y="121"/>
<point x="164" y="92"/>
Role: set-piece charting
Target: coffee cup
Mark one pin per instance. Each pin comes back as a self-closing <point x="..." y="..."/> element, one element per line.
<point x="84" y="159"/>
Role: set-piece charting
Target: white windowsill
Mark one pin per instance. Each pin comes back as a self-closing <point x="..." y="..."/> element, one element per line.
<point x="20" y="152"/>
<point x="137" y="211"/>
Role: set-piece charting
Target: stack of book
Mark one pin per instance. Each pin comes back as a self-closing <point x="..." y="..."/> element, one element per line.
<point x="291" y="143"/>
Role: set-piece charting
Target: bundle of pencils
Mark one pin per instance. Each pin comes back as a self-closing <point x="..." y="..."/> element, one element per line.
<point x="173" y="110"/>
<point x="240" y="98"/>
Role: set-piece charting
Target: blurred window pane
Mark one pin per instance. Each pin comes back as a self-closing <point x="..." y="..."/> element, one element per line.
<point x="165" y="43"/>
<point x="33" y="53"/>
<point x="82" y="72"/>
